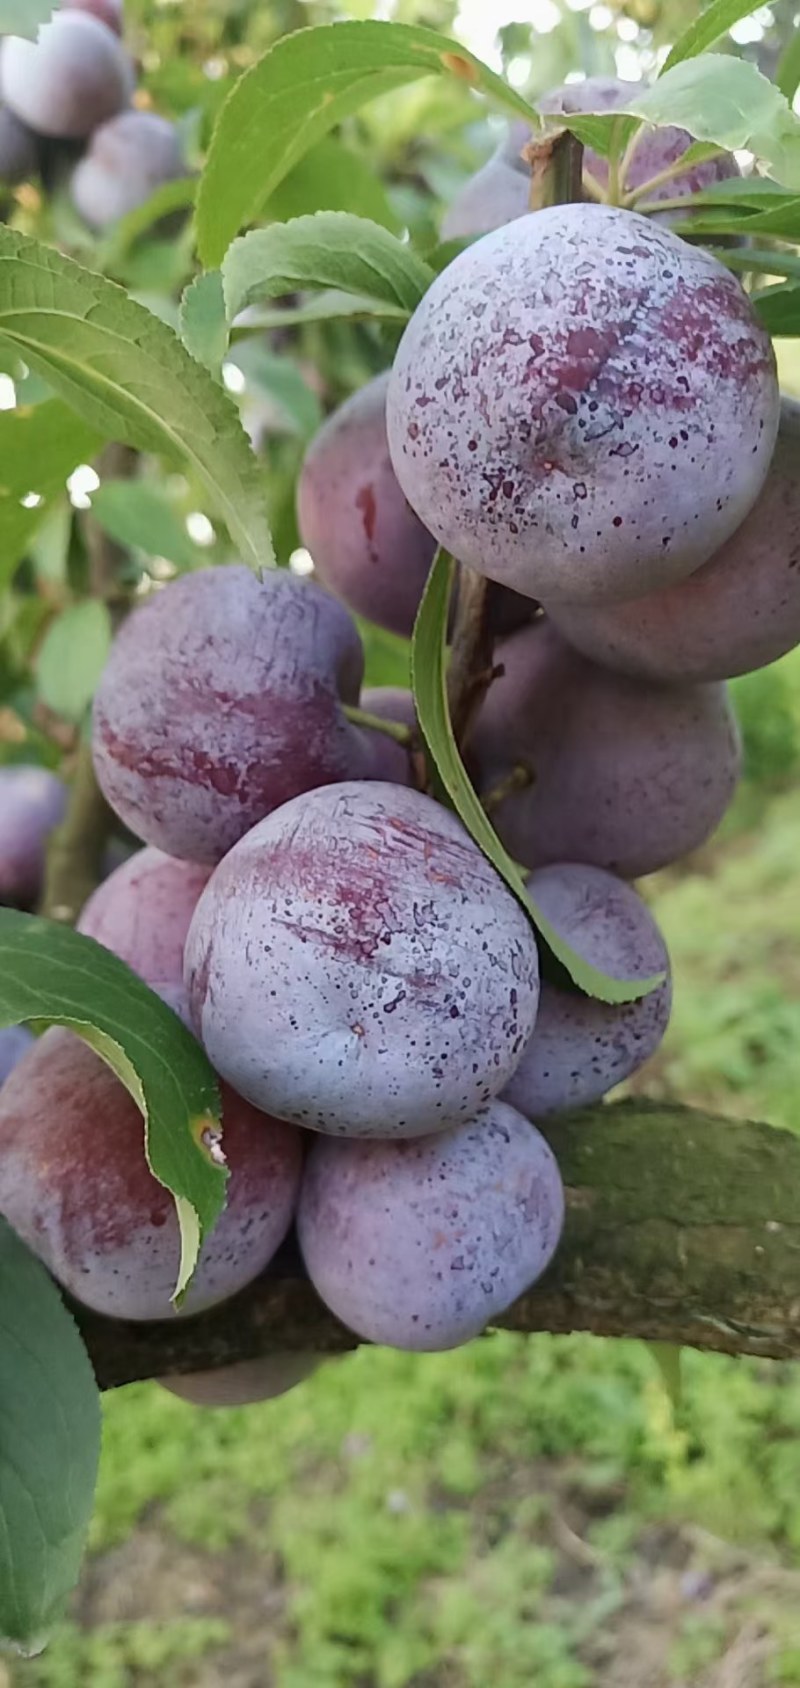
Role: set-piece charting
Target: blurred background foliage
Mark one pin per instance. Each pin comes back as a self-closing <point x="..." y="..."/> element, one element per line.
<point x="534" y="1513"/>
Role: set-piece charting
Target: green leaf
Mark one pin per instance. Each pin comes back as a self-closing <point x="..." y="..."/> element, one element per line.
<point x="306" y="84"/>
<point x="332" y="178"/>
<point x="25" y="17"/>
<point x="49" y="1448"/>
<point x="48" y="972"/>
<point x="72" y="657"/>
<point x="331" y="249"/>
<point x="139" y="514"/>
<point x="778" y="310"/>
<point x="429" y="679"/>
<point x="787" y="75"/>
<point x="39" y="448"/>
<point x="772" y="262"/>
<point x="131" y="378"/>
<point x="710" y="26"/>
<point x="204" y="325"/>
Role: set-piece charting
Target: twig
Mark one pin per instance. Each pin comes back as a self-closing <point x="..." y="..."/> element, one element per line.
<point x="471" y="672"/>
<point x="76" y="850"/>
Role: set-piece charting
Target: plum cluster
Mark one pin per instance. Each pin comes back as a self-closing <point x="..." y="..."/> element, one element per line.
<point x="584" y="410"/>
<point x="70" y="93"/>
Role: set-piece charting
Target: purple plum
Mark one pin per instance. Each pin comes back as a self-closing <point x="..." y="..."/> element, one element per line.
<point x="32" y="804"/>
<point x="583" y="427"/>
<point x="222" y="698"/>
<point x="127" y="159"/>
<point x="75" y="1185"/>
<point x="246" y="1382"/>
<point x="143" y="911"/>
<point x="356" y="966"/>
<point x="421" y="1245"/>
<point x="72" y="78"/>
<point x="625" y="775"/>
<point x="368" y="546"/>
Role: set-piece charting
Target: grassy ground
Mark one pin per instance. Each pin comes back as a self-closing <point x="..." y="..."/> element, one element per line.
<point x="529" y="1513"/>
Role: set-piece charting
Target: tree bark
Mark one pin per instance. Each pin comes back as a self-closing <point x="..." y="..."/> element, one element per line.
<point x="681" y="1227"/>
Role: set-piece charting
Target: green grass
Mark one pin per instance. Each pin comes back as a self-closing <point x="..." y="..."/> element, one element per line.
<point x="483" y="1517"/>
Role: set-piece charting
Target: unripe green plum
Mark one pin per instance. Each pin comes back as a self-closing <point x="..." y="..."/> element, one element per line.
<point x="583" y="406"/>
<point x="72" y="78"/>
<point x="421" y="1245"/>
<point x="127" y="159"/>
<point x="625" y="775"/>
<point x="246" y="1382"/>
<point x="143" y="911"/>
<point x="737" y="613"/>
<point x="356" y="966"/>
<point x="32" y="804"/>
<point x="222" y="699"/>
<point x="368" y="546"/>
<point x="580" y="1047"/>
<point x="75" y="1185"/>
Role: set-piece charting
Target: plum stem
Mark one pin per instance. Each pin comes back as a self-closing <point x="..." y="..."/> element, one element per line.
<point x="556" y="164"/>
<point x="668" y="174"/>
<point x="471" y="670"/>
<point x="396" y="730"/>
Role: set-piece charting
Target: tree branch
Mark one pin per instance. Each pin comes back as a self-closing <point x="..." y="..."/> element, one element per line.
<point x="681" y="1227"/>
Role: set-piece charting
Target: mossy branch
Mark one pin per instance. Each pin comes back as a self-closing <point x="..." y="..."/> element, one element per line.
<point x="681" y="1228"/>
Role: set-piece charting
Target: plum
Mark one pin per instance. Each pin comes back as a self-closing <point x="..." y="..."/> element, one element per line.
<point x="75" y="1185"/>
<point x="15" y="1041"/>
<point x="356" y="965"/>
<point x="368" y="546"/>
<point x="143" y="911"/>
<point x="32" y="804"/>
<point x="110" y="12"/>
<point x="72" y="78"/>
<point x="737" y="613"/>
<point x="222" y="698"/>
<point x="246" y="1382"/>
<point x="583" y="407"/>
<point x="19" y="158"/>
<point x="626" y="775"/>
<point x="421" y="1245"/>
<point x="580" y="1047"/>
<point x="127" y="159"/>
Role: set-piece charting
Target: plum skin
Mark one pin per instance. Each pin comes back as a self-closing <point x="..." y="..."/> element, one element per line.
<point x="581" y="1047"/>
<point x="356" y="966"/>
<point x="583" y="431"/>
<point x="32" y="804"/>
<point x="127" y="159"/>
<point x="246" y="1382"/>
<point x="143" y="911"/>
<point x="72" y="78"/>
<point x="368" y="546"/>
<point x="421" y="1245"/>
<point x="75" y="1185"/>
<point x="737" y="613"/>
<point x="221" y="700"/>
<point x="109" y="12"/>
<point x="629" y="776"/>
